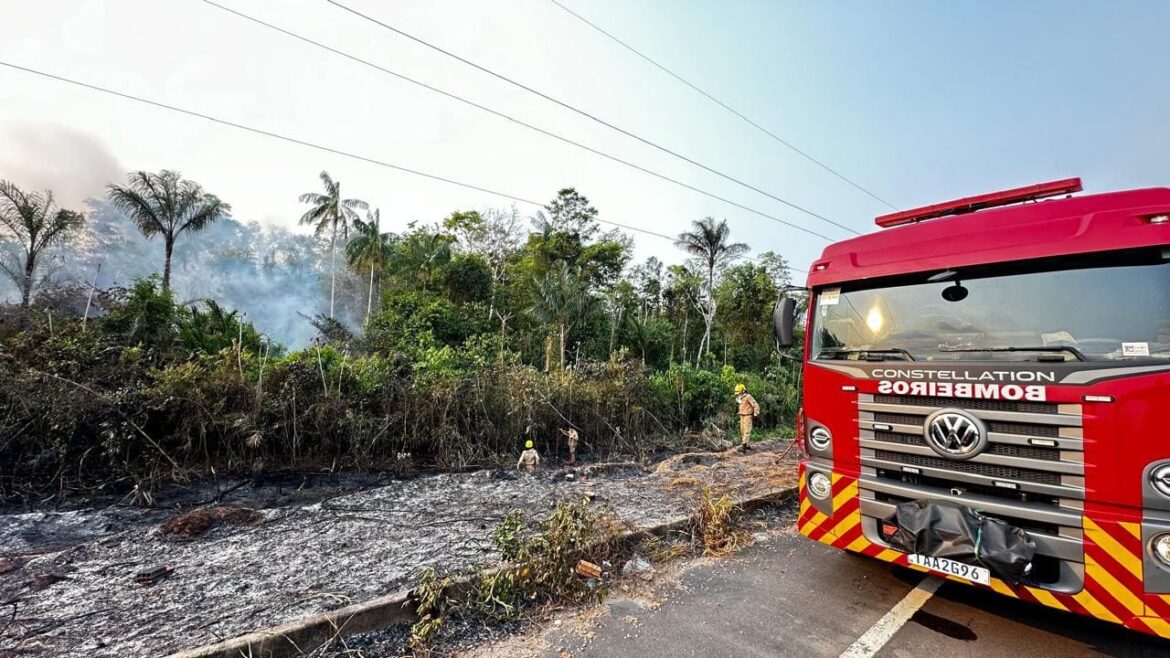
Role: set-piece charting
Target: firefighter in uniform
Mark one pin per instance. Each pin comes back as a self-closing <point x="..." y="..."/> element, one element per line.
<point x="529" y="458"/>
<point x="748" y="408"/>
<point x="573" y="437"/>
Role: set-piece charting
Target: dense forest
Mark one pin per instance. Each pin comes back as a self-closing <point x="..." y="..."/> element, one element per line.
<point x="151" y="337"/>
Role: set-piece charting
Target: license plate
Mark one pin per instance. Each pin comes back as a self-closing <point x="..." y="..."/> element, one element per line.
<point x="974" y="574"/>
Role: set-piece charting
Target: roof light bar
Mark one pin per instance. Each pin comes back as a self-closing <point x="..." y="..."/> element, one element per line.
<point x="980" y="202"/>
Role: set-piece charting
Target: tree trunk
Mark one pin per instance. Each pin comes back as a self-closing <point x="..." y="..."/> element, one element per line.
<point x="491" y="295"/>
<point x="332" y="269"/>
<point x="617" y="318"/>
<point x="562" y="346"/>
<point x="30" y="266"/>
<point x="707" y="332"/>
<point x="503" y="336"/>
<point x="170" y="249"/>
<point x="548" y="352"/>
<point x="370" y="297"/>
<point x="89" y="298"/>
<point x="709" y="316"/>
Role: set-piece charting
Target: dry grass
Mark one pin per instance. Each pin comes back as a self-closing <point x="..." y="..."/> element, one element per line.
<point x="774" y="475"/>
<point x="541" y="576"/>
<point x="718" y="523"/>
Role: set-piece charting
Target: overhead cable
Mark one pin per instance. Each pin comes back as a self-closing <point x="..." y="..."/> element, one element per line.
<point x="306" y="143"/>
<point x="593" y="118"/>
<point x="517" y="121"/>
<point x="804" y="154"/>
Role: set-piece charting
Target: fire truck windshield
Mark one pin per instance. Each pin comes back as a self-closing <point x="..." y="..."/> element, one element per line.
<point x="1100" y="308"/>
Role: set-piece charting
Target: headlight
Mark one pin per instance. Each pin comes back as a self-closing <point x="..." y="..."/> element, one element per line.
<point x="820" y="487"/>
<point x="1160" y="547"/>
<point x="1160" y="478"/>
<point x="819" y="438"/>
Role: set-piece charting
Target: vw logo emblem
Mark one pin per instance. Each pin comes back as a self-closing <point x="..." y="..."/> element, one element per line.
<point x="955" y="434"/>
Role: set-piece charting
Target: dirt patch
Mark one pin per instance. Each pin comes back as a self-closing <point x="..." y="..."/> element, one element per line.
<point x="196" y="523"/>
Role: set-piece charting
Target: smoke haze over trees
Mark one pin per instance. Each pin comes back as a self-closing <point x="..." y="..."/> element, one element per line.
<point x="271" y="274"/>
<point x="451" y="342"/>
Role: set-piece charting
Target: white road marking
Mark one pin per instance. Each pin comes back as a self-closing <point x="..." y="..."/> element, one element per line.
<point x="876" y="637"/>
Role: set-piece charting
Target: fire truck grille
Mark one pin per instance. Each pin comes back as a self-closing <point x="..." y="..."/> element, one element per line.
<point x="907" y="419"/>
<point x="1001" y="472"/>
<point x="1030" y="473"/>
<point x="1029" y="452"/>
<point x="1047" y="431"/>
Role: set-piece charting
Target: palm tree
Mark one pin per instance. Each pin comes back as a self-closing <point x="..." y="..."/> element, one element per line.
<point x="639" y="333"/>
<point x="419" y="254"/>
<point x="329" y="212"/>
<point x="560" y="300"/>
<point x="708" y="241"/>
<point x="369" y="248"/>
<point x="36" y="223"/>
<point x="212" y="330"/>
<point x="166" y="204"/>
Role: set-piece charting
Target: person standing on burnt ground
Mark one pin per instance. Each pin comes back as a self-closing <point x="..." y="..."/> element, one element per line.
<point x="573" y="438"/>
<point x="747" y="408"/>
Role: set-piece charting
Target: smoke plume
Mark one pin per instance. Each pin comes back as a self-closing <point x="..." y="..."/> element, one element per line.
<point x="39" y="157"/>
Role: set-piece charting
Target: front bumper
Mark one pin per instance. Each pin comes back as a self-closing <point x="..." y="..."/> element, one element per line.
<point x="1112" y="587"/>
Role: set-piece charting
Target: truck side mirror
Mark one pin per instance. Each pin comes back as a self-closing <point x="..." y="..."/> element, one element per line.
<point x="784" y="321"/>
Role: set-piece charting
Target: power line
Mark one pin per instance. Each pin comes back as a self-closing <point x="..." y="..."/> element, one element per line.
<point x="590" y="116"/>
<point x="727" y="107"/>
<point x="513" y="119"/>
<point x="301" y="142"/>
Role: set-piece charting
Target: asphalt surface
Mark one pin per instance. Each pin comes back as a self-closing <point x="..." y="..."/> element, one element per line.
<point x="788" y="596"/>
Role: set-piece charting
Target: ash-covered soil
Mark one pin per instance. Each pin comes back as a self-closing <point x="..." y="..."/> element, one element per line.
<point x="556" y="631"/>
<point x="68" y="580"/>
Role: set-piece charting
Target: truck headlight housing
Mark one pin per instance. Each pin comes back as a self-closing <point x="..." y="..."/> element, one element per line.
<point x="1160" y="547"/>
<point x="821" y="487"/>
<point x="1160" y="479"/>
<point x="819" y="439"/>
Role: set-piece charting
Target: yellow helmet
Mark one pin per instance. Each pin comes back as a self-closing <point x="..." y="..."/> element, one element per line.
<point x="740" y="388"/>
<point x="527" y="444"/>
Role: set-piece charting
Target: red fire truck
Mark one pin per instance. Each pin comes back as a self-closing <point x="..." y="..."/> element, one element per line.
<point x="1008" y="353"/>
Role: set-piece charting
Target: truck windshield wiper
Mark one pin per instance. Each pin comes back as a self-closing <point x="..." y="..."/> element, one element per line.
<point x="1068" y="349"/>
<point x="877" y="355"/>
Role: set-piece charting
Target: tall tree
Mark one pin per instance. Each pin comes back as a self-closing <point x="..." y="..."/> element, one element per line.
<point x="330" y="212"/>
<point x="420" y="255"/>
<point x="745" y="294"/>
<point x="560" y="301"/>
<point x="709" y="242"/>
<point x="571" y="211"/>
<point x="494" y="235"/>
<point x="777" y="268"/>
<point x="681" y="294"/>
<point x="370" y="248"/>
<point x="166" y="204"/>
<point x="35" y="223"/>
<point x="647" y="279"/>
<point x="563" y="229"/>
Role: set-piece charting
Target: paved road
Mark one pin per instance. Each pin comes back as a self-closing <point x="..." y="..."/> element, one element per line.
<point x="792" y="597"/>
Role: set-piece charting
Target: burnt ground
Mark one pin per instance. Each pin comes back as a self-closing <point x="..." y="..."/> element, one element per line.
<point x="67" y="579"/>
<point x="550" y="631"/>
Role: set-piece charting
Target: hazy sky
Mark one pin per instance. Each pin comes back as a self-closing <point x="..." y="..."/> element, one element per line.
<point x="918" y="101"/>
